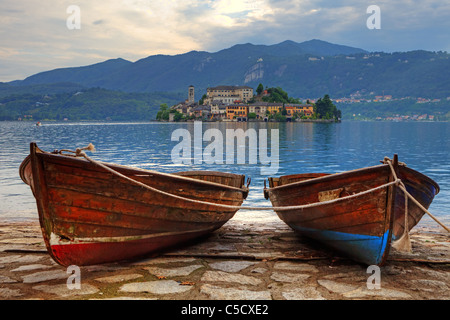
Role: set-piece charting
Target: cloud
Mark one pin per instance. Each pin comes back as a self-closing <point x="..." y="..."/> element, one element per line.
<point x="35" y="36"/>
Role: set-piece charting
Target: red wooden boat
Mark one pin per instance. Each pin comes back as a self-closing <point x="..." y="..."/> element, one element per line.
<point x="89" y="215"/>
<point x="369" y="217"/>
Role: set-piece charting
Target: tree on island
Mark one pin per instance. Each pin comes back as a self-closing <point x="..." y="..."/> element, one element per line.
<point x="202" y="100"/>
<point x="163" y="113"/>
<point x="278" y="95"/>
<point x="260" y="89"/>
<point x="324" y="108"/>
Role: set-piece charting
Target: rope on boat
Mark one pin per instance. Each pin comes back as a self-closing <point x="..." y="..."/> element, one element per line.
<point x="80" y="153"/>
<point x="408" y="195"/>
<point x="423" y="208"/>
<point x="403" y="244"/>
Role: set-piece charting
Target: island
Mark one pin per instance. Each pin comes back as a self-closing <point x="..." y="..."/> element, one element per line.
<point x="241" y="104"/>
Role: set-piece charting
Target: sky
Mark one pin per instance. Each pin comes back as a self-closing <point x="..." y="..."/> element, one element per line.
<point x="37" y="36"/>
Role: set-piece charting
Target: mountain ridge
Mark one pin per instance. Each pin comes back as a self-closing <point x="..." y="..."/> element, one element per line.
<point x="95" y="73"/>
<point x="306" y="70"/>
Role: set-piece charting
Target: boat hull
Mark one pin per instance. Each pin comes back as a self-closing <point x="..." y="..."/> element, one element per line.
<point x="89" y="215"/>
<point x="99" y="250"/>
<point x="367" y="249"/>
<point x="362" y="227"/>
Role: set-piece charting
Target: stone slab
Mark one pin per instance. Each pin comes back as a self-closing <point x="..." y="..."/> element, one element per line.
<point x="156" y="287"/>
<point x="220" y="293"/>
<point x="232" y="266"/>
<point x="220" y="276"/>
<point x="173" y="272"/>
<point x="63" y="291"/>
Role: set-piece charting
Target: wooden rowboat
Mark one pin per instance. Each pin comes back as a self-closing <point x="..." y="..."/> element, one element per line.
<point x="89" y="215"/>
<point x="364" y="223"/>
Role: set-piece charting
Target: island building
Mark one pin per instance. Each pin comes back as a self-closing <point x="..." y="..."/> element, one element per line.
<point x="237" y="111"/>
<point x="230" y="103"/>
<point x="299" y="109"/>
<point x="191" y="95"/>
<point x="275" y="108"/>
<point x="228" y="94"/>
<point x="218" y="108"/>
<point x="187" y="106"/>
<point x="261" y="109"/>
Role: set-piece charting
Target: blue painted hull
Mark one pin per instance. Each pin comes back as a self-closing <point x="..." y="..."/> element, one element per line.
<point x="366" y="249"/>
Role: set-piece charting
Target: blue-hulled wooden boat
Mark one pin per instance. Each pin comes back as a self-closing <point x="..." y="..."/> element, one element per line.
<point x="360" y="227"/>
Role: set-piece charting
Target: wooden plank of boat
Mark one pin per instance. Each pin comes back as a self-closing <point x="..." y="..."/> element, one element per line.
<point x="361" y="227"/>
<point x="89" y="216"/>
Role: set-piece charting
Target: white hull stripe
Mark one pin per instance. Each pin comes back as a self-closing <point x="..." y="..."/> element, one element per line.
<point x="56" y="240"/>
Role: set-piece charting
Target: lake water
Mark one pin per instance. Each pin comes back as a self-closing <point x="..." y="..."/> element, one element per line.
<point x="303" y="148"/>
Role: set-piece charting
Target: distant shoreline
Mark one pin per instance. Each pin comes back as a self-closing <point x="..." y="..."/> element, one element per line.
<point x="252" y="121"/>
<point x="259" y="121"/>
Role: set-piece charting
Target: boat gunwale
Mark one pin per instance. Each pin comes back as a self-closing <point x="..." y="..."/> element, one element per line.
<point x="326" y="177"/>
<point x="175" y="176"/>
<point x="332" y="176"/>
<point x="425" y="177"/>
<point x="22" y="167"/>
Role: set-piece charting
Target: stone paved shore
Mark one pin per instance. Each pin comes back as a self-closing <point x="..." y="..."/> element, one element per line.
<point x="251" y="261"/>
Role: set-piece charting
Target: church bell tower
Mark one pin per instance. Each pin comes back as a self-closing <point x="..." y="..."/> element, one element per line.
<point x="191" y="96"/>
